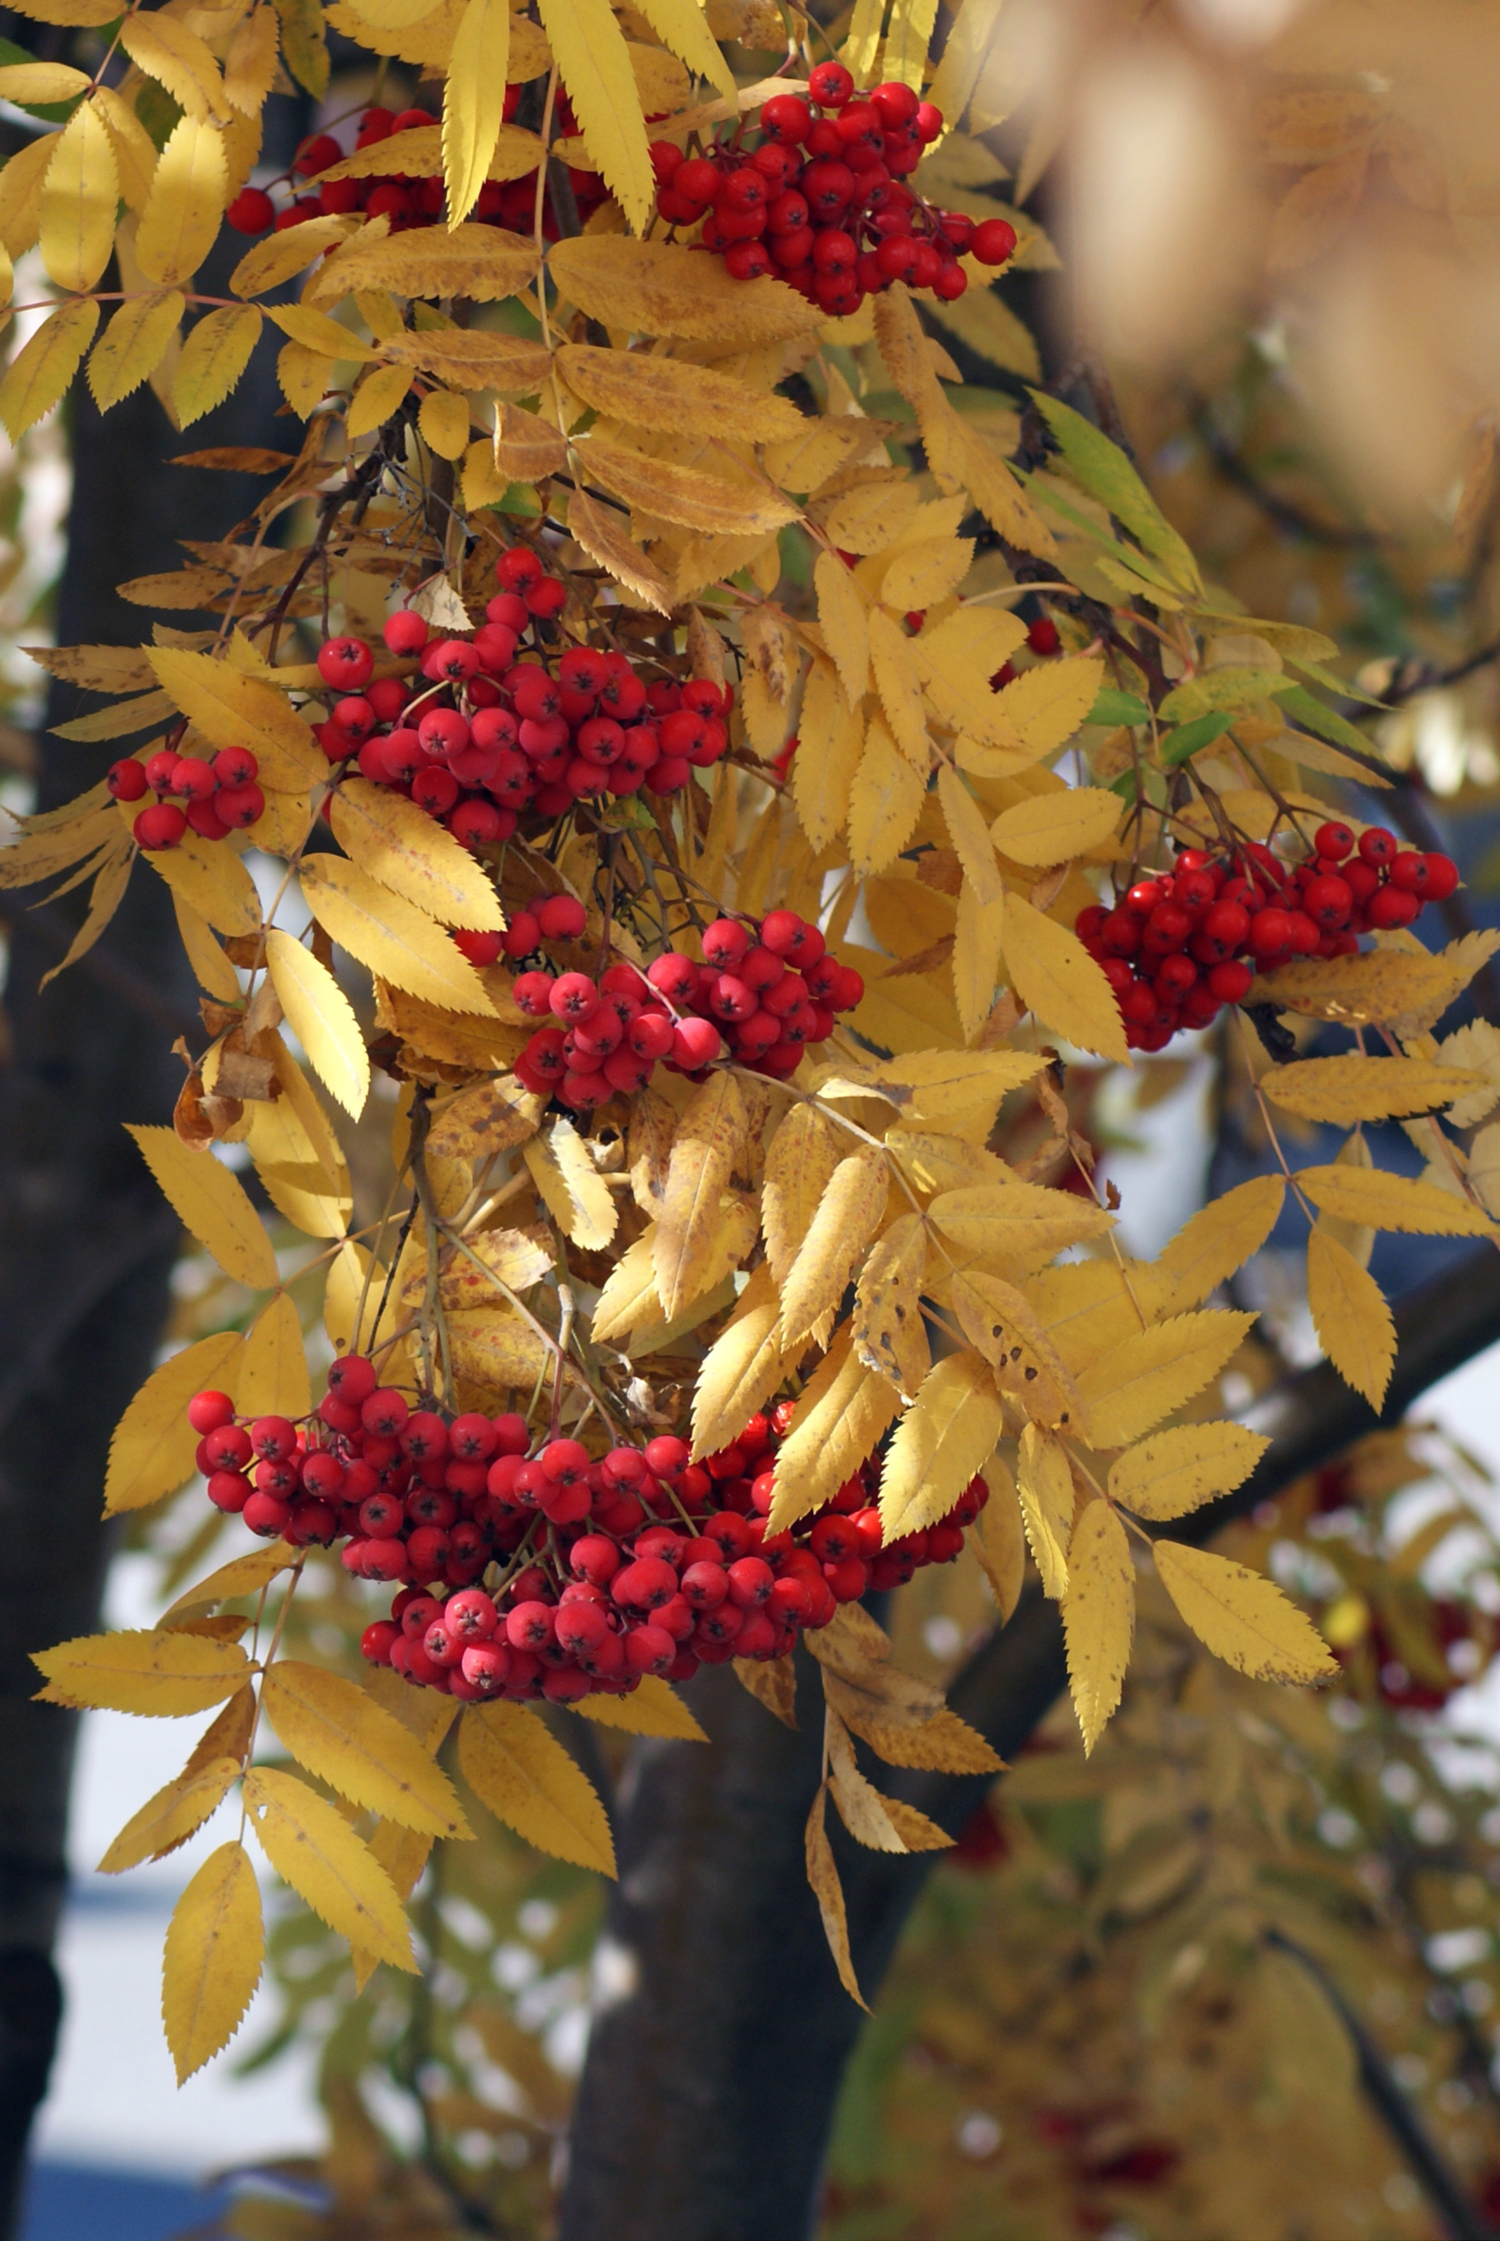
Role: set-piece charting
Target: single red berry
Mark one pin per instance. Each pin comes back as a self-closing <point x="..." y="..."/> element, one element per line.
<point x="1390" y="907"/>
<point x="787" y="118"/>
<point x="1377" y="846"/>
<point x="345" y="662"/>
<point x="830" y="85"/>
<point x="1334" y="841"/>
<point x="352" y="1378"/>
<point x="994" y="241"/>
<point x="1408" y="870"/>
<point x="1042" y="637"/>
<point x="252" y="211"/>
<point x="160" y="826"/>
<point x="126" y="779"/>
<point x="479" y="947"/>
<point x="1442" y="877"/>
<point x="561" y="918"/>
<point x="208" y="1412"/>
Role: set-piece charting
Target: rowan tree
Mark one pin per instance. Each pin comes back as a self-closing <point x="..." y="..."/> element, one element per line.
<point x="683" y="815"/>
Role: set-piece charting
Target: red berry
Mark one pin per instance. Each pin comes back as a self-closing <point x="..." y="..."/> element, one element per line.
<point x="1392" y="906"/>
<point x="209" y="1412"/>
<point x="561" y="918"/>
<point x="1230" y="982"/>
<point x="1334" y="841"/>
<point x="1442" y="877"/>
<point x="696" y="1043"/>
<point x="786" y="117"/>
<point x="574" y="998"/>
<point x="160" y="826"/>
<point x="345" y="662"/>
<point x="480" y="948"/>
<point x="1377" y="846"/>
<point x="126" y="779"/>
<point x="1270" y="931"/>
<point x="252" y="211"/>
<point x="1409" y="871"/>
<point x="994" y="241"/>
<point x="830" y="85"/>
<point x="1042" y="637"/>
<point x="1328" y="900"/>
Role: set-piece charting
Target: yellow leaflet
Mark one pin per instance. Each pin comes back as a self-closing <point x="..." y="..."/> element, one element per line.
<point x="660" y="288"/>
<point x="1055" y="977"/>
<point x="169" y="1818"/>
<point x="844" y="621"/>
<point x="402" y="847"/>
<point x="1050" y="828"/>
<point x="376" y="398"/>
<point x="1098" y="1615"/>
<point x="242" y="1575"/>
<point x="343" y="1737"/>
<point x="964" y="55"/>
<point x="888" y="1331"/>
<point x="209" y="875"/>
<point x="135" y="153"/>
<point x="250" y="65"/>
<point x="444" y="422"/>
<point x="312" y="1847"/>
<point x="629" y="1298"/>
<point x="133" y="345"/>
<point x="1384" y="987"/>
<point x="37" y="82"/>
<point x="970" y="836"/>
<point x="391" y="936"/>
<point x="841" y="1412"/>
<point x="594" y="65"/>
<point x="861" y="1807"/>
<point x="278" y="259"/>
<point x="181" y="219"/>
<point x="178" y="59"/>
<point x="152" y="1449"/>
<point x="872" y="515"/>
<point x="211" y="1962"/>
<point x="823" y="1877"/>
<point x="885" y="801"/>
<point x="652" y="1709"/>
<point x="741" y="1370"/>
<point x="482" y="262"/>
<point x="1045" y="1488"/>
<point x="212" y="1203"/>
<point x="300" y="1178"/>
<point x="273" y="1378"/>
<point x="1016" y="1220"/>
<point x="1001" y="1322"/>
<point x="305" y="377"/>
<point x="1221" y="1238"/>
<point x="926" y="573"/>
<point x="233" y="710"/>
<point x="945" y="1437"/>
<point x="1156" y="1371"/>
<point x="681" y="27"/>
<point x="830" y="743"/>
<point x="80" y="195"/>
<point x="41" y="371"/>
<point x="1174" y="1472"/>
<point x="576" y="1194"/>
<point x="999" y="1540"/>
<point x="528" y="1781"/>
<point x="1357" y="1088"/>
<point x="1382" y="1201"/>
<point x="899" y="683"/>
<point x="322" y="1019"/>
<point x="1241" y="1617"/>
<point x="656" y="393"/>
<point x="978" y="939"/>
<point x="214" y="355"/>
<point x="320" y="333"/>
<point x="685" y="494"/>
<point x="416" y="152"/>
<point x="595" y="528"/>
<point x="710" y="1135"/>
<point x="474" y="101"/>
<point x="494" y="1352"/>
<point x="157" y="1675"/>
<point x="848" y="1213"/>
<point x="800" y="1163"/>
<point x="1350" y="1315"/>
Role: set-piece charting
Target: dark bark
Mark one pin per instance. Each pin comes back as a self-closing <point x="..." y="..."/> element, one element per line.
<point x="715" y="2061"/>
<point x="86" y="1245"/>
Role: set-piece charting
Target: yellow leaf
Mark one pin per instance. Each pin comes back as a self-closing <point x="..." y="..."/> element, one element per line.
<point x="133" y="345"/>
<point x="379" y="394"/>
<point x="656" y="393"/>
<point x="444" y="418"/>
<point x="978" y="939"/>
<point x="772" y="1682"/>
<point x="314" y="328"/>
<point x="741" y="1370"/>
<point x="596" y="529"/>
<point x="970" y="837"/>
<point x="483" y="263"/>
<point x="528" y="1781"/>
<point x="41" y="371"/>
<point x="1045" y="1489"/>
<point x="389" y="935"/>
<point x="1242" y="1617"/>
<point x="34" y="83"/>
<point x="1098" y="1615"/>
<point x="474" y="101"/>
<point x="1016" y="1221"/>
<point x="898" y="680"/>
<point x="800" y="1163"/>
<point x="885" y="801"/>
<point x="1002" y="1324"/>
<point x="660" y="288"/>
<point x="1055" y="977"/>
<point x="888" y="1331"/>
<point x="178" y="59"/>
<point x="344" y="1737"/>
<point x="212" y="1203"/>
<point x="305" y="377"/>
<point x="823" y="1877"/>
<point x="211" y="1962"/>
<point x="684" y="494"/>
<point x="169" y="1818"/>
<point x="242" y="1575"/>
<point x="841" y="1412"/>
<point x="681" y="27"/>
<point x="214" y="355"/>
<point x="250" y="64"/>
<point x="999" y="1539"/>
<point x="651" y="1709"/>
<point x="152" y="1449"/>
<point x="861" y="1808"/>
<point x="576" y="1194"/>
<point x="1174" y="1472"/>
<point x="159" y="1675"/>
<point x="926" y="573"/>
<point x="494" y="1352"/>
<point x="1049" y="828"/>
<point x="312" y="1847"/>
<point x="1352" y="1320"/>
<point x="629" y="1297"/>
<point x="322" y="1019"/>
<point x="80" y="196"/>
<point x="1382" y="1201"/>
<point x="181" y="219"/>
<point x="848" y="1213"/>
<point x="233" y="710"/>
<point x="279" y="258"/>
<point x="1156" y="1371"/>
<point x="830" y="744"/>
<point x="1385" y="987"/>
<point x="710" y="1134"/>
<point x="945" y="1437"/>
<point x="403" y="848"/>
<point x="273" y="1378"/>
<point x="595" y="67"/>
<point x="844" y="622"/>
<point x="1357" y="1088"/>
<point x="209" y="875"/>
<point x="1220" y="1239"/>
<point x="1043" y="707"/>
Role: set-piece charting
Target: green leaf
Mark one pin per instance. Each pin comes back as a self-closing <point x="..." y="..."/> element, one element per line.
<point x="1106" y="474"/>
<point x="1113" y="708"/>
<point x="1315" y="716"/>
<point x="1187" y="740"/>
<point x="1221" y="688"/>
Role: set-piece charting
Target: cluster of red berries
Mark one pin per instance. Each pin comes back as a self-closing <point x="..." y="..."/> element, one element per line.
<point x="821" y="200"/>
<point x="218" y="797"/>
<point x="762" y="994"/>
<point x="480" y="736"/>
<point x="639" y="1561"/>
<point x="406" y="201"/>
<point x="1175" y="949"/>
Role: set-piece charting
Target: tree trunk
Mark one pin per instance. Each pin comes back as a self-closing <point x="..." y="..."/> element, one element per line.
<point x="722" y="2033"/>
<point x="86" y="1245"/>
